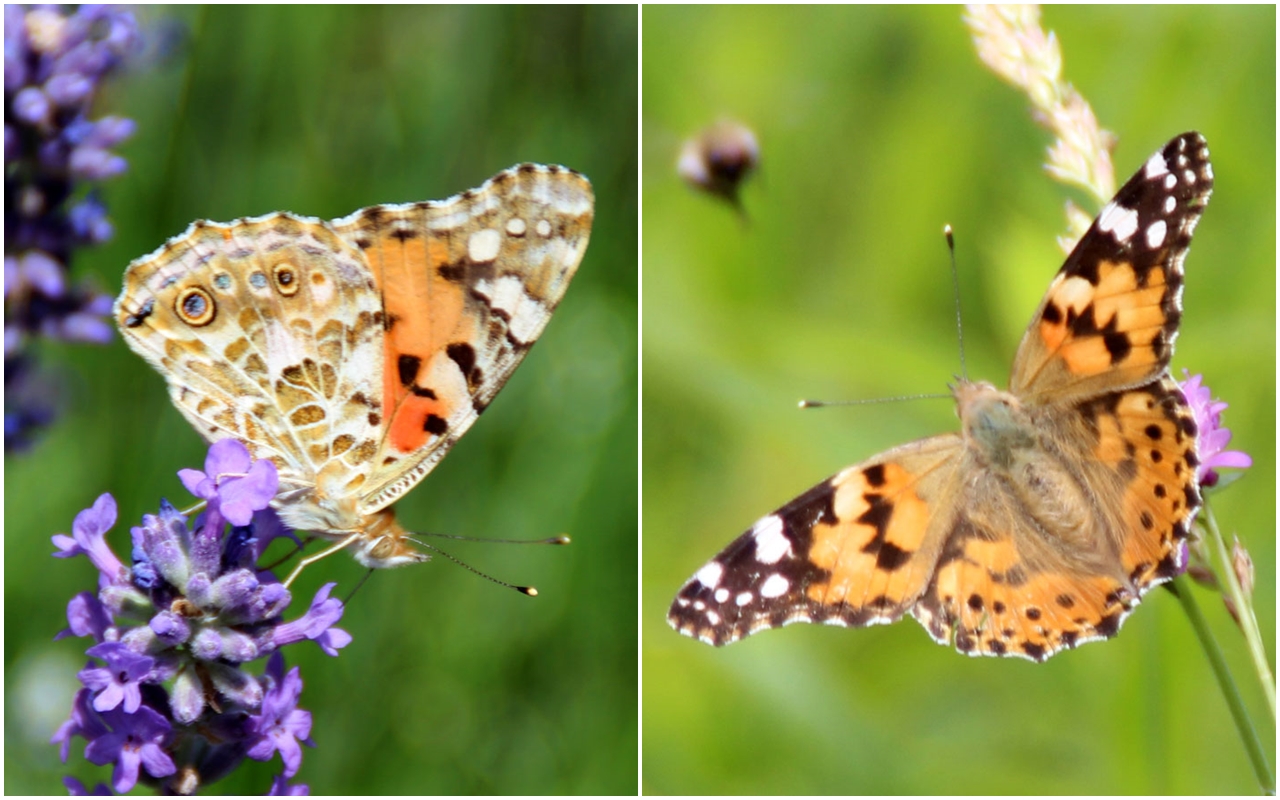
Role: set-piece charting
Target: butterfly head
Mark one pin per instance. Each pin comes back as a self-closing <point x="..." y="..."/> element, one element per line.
<point x="994" y="421"/>
<point x="384" y="543"/>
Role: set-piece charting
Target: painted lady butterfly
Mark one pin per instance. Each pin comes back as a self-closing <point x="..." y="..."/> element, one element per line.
<point x="1041" y="524"/>
<point x="354" y="353"/>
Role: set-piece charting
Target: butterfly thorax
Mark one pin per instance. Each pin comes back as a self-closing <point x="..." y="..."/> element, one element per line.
<point x="1011" y="452"/>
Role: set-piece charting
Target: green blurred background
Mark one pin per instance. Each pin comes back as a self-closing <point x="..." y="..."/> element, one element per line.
<point x="452" y="685"/>
<point x="877" y="126"/>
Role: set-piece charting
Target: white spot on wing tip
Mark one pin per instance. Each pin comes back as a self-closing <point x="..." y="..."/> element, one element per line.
<point x="774" y="586"/>
<point x="516" y="226"/>
<point x="1155" y="167"/>
<point x="722" y="594"/>
<point x="771" y="542"/>
<point x="1119" y="221"/>
<point x="709" y="575"/>
<point x="1155" y="234"/>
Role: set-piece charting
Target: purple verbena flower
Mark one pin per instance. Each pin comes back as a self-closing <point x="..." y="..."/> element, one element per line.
<point x="1212" y="437"/>
<point x="171" y="693"/>
<point x="281" y="725"/>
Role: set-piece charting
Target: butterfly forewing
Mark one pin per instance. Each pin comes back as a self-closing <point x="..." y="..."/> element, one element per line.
<point x="854" y="550"/>
<point x="490" y="265"/>
<point x="1110" y="317"/>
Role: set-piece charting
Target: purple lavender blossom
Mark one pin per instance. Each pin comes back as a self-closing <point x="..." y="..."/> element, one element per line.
<point x="87" y="616"/>
<point x="119" y="683"/>
<point x="232" y="482"/>
<point x="1212" y="436"/>
<point x="134" y="741"/>
<point x="54" y="61"/>
<point x="281" y="725"/>
<point x="280" y="788"/>
<point x="317" y="625"/>
<point x="89" y="538"/>
<point x="168" y="699"/>
<point x="84" y="722"/>
<point x="77" y="789"/>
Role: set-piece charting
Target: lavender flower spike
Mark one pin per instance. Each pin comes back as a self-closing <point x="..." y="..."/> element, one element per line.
<point x="176" y="705"/>
<point x="54" y="62"/>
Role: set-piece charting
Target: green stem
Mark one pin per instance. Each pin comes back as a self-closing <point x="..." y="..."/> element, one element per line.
<point x="1244" y="611"/>
<point x="1181" y="587"/>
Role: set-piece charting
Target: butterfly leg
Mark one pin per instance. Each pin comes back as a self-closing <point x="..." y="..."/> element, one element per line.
<point x="326" y="552"/>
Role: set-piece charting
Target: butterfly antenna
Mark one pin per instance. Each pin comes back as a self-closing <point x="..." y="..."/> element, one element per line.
<point x="529" y="590"/>
<point x="899" y="398"/>
<point x="561" y="539"/>
<point x="955" y="290"/>
<point x="352" y="593"/>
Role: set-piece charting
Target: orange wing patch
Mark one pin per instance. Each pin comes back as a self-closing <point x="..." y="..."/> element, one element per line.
<point x="869" y="547"/>
<point x="981" y="611"/>
<point x="424" y="314"/>
<point x="1113" y="325"/>
<point x="1149" y="439"/>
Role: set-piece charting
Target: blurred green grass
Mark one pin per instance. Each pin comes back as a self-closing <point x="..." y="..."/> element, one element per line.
<point x="877" y="125"/>
<point x="452" y="685"/>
